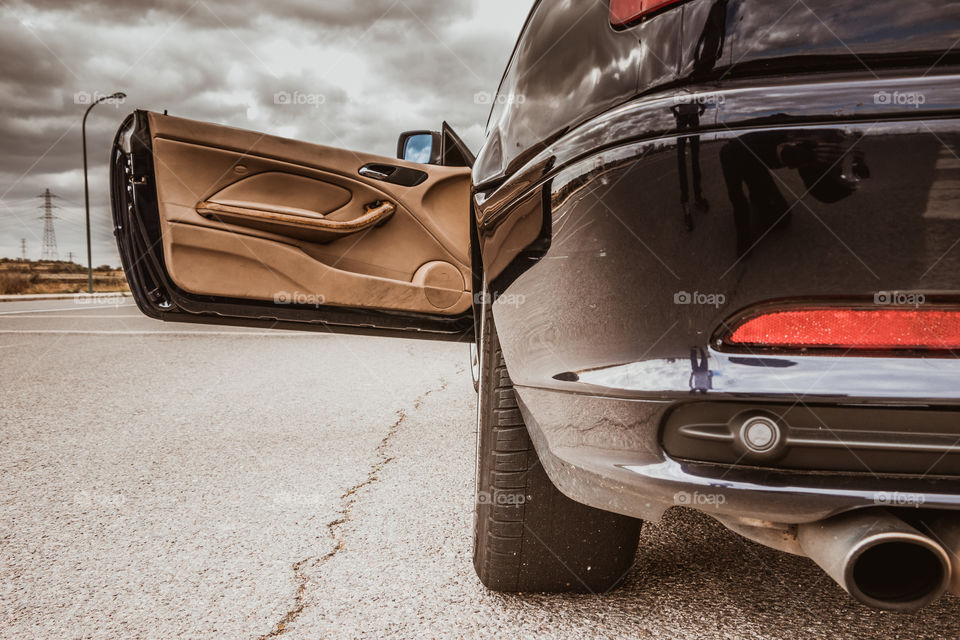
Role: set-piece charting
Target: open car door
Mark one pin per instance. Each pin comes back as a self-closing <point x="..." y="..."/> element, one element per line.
<point x="218" y="225"/>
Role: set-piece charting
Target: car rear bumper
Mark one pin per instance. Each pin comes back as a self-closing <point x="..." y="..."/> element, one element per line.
<point x="606" y="452"/>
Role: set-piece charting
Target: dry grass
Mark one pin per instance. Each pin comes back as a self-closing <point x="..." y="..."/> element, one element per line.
<point x="19" y="278"/>
<point x="13" y="283"/>
<point x="99" y="286"/>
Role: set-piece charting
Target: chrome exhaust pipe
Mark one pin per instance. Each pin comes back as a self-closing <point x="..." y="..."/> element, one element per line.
<point x="945" y="529"/>
<point x="878" y="559"/>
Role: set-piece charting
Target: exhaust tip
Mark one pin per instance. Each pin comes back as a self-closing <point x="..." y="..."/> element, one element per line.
<point x="898" y="571"/>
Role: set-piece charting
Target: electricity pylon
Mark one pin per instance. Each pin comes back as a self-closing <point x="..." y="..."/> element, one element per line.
<point x="49" y="251"/>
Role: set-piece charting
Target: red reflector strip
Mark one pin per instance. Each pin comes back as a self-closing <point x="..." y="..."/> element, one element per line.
<point x="852" y="329"/>
<point x="625" y="12"/>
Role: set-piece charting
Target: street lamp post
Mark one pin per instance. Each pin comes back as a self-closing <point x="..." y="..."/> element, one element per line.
<point x="119" y="95"/>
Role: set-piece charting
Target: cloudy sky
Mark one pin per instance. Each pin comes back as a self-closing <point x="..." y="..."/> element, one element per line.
<point x="348" y="74"/>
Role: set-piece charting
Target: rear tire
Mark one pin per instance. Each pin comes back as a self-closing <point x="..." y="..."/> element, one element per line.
<point x="475" y="365"/>
<point x="527" y="535"/>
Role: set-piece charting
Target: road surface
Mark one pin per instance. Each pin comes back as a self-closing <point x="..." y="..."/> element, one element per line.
<point x="180" y="481"/>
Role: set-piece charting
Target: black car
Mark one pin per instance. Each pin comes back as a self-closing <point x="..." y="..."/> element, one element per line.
<point x="708" y="254"/>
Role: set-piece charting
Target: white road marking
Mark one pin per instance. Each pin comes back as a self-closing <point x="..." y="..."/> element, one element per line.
<point x="89" y="317"/>
<point x="74" y="308"/>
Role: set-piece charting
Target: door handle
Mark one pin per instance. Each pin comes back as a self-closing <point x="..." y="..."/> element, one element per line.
<point x="403" y="176"/>
<point x="377" y="171"/>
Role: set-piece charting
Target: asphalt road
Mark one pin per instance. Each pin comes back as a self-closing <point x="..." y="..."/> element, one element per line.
<point x="173" y="481"/>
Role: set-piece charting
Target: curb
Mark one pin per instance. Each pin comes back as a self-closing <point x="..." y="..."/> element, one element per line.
<point x="65" y="296"/>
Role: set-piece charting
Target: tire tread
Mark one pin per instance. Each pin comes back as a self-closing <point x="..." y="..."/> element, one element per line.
<point x="545" y="542"/>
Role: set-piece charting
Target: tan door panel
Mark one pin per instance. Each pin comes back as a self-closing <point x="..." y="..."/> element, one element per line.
<point x="250" y="216"/>
<point x="260" y="269"/>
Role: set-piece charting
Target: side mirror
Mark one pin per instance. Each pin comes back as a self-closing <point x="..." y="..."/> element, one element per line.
<point x="420" y="146"/>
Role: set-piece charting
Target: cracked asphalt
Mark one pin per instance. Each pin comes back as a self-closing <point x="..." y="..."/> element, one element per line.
<point x="171" y="481"/>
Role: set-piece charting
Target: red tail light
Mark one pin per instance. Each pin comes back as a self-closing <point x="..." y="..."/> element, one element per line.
<point x="880" y="329"/>
<point x="626" y="12"/>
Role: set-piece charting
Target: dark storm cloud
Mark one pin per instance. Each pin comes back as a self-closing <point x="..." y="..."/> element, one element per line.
<point x="364" y="71"/>
<point x="358" y="15"/>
